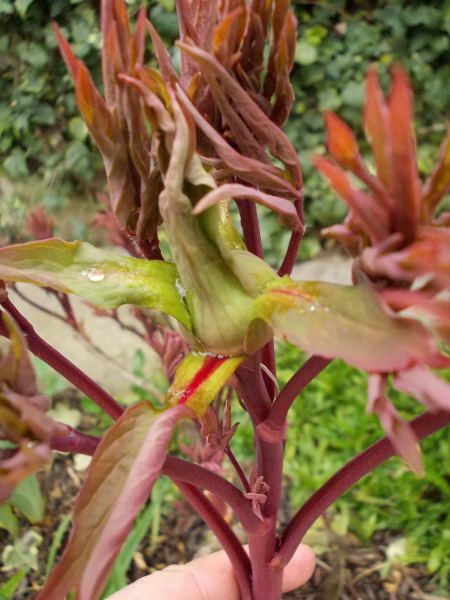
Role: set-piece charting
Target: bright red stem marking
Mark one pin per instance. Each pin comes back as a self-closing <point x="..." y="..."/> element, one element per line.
<point x="209" y="366"/>
<point x="291" y="293"/>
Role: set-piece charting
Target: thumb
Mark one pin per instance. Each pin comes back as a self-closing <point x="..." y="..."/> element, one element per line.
<point x="209" y="578"/>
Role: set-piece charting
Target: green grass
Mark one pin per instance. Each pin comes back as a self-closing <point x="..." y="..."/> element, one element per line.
<point x="328" y="425"/>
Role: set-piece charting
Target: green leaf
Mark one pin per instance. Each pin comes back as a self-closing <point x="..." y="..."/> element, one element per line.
<point x="103" y="278"/>
<point x="126" y="464"/>
<point x="6" y="8"/>
<point x="305" y="53"/>
<point x="345" y="322"/>
<point x="78" y="129"/>
<point x="56" y="542"/>
<point x="22" y="6"/>
<point x="16" y="165"/>
<point x="8" y="589"/>
<point x="8" y="520"/>
<point x="28" y="499"/>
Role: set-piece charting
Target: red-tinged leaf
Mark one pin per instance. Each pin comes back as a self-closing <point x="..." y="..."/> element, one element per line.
<point x="106" y="279"/>
<point x="38" y="224"/>
<point x="370" y="215"/>
<point x="188" y="66"/>
<point x="422" y="384"/>
<point x="401" y="299"/>
<point x="242" y="134"/>
<point x="397" y="429"/>
<point x="429" y="255"/>
<point x="165" y="66"/>
<point x="376" y="122"/>
<point x="260" y="12"/>
<point x="199" y="378"/>
<point x="341" y="142"/>
<point x="228" y="36"/>
<point x="350" y="239"/>
<point x="72" y="63"/>
<point x="137" y="44"/>
<point x="22" y="414"/>
<point x="121" y="22"/>
<point x="25" y="461"/>
<point x="278" y="81"/>
<point x="406" y="183"/>
<point x="16" y="368"/>
<point x="235" y="190"/>
<point x="438" y="183"/>
<point x="345" y="322"/>
<point x="122" y="472"/>
<point x="264" y="130"/>
<point x="157" y="112"/>
<point x="263" y="176"/>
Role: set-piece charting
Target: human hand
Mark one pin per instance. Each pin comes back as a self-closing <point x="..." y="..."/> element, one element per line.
<point x="209" y="578"/>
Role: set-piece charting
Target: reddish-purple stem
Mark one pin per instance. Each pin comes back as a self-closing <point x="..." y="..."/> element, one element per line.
<point x="176" y="468"/>
<point x="253" y="390"/>
<point x="230" y="543"/>
<point x="44" y="309"/>
<point x="250" y="227"/>
<point x="301" y="378"/>
<point x="150" y="250"/>
<point x="294" y="243"/>
<point x="237" y="467"/>
<point x="268" y="359"/>
<point x="423" y="426"/>
<point x="62" y="365"/>
<point x="76" y="441"/>
<point x="66" y="304"/>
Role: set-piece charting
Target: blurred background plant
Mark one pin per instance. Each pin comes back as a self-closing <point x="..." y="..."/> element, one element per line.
<point x="47" y="156"/>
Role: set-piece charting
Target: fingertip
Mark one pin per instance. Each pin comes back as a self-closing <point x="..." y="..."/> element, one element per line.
<point x="300" y="568"/>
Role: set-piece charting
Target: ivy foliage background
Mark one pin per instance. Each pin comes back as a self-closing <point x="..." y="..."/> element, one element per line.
<point x="45" y="151"/>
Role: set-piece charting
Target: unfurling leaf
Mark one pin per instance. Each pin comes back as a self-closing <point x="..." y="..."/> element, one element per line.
<point x="119" y="480"/>
<point x="104" y="278"/>
<point x="234" y="190"/>
<point x="398" y="430"/>
<point x="345" y="322"/>
<point x="23" y="421"/>
<point x="421" y="383"/>
<point x="199" y="379"/>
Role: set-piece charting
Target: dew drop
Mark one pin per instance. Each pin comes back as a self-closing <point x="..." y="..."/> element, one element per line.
<point x="180" y="288"/>
<point x="94" y="274"/>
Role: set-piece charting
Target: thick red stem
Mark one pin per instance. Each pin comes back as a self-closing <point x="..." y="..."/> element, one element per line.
<point x="301" y="378"/>
<point x="294" y="243"/>
<point x="176" y="468"/>
<point x="250" y="227"/>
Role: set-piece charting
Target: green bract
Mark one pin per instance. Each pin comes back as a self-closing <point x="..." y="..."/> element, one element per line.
<point x="103" y="278"/>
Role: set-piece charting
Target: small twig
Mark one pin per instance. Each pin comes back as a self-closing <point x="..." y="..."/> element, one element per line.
<point x="62" y="365"/>
<point x="237" y="467"/>
<point x="43" y="309"/>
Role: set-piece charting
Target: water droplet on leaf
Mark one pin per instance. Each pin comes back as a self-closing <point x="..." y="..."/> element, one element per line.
<point x="94" y="274"/>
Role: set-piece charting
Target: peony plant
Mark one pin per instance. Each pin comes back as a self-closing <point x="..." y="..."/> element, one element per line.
<point x="179" y="147"/>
